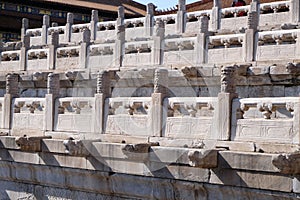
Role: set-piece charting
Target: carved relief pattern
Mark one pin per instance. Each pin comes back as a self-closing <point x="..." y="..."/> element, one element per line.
<point x="228" y="76"/>
<point x="67" y="52"/>
<point x="137" y="47"/>
<point x="42" y="54"/>
<point x="129" y="106"/>
<point x="226" y="41"/>
<point x="29" y="106"/>
<point x="160" y="81"/>
<point x="101" y="50"/>
<point x="53" y="85"/>
<point x="176" y="109"/>
<point x="75" y="106"/>
<point x="277" y="37"/>
<point x="103" y="82"/>
<point x="276" y="121"/>
<point x="12" y="84"/>
<point x="10" y="56"/>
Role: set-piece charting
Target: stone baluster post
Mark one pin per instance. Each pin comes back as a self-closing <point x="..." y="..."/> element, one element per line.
<point x="201" y="47"/>
<point x="160" y="92"/>
<point x="54" y="42"/>
<point x="103" y="92"/>
<point x="46" y="25"/>
<point x="25" y="25"/>
<point x="181" y="17"/>
<point x="149" y="20"/>
<point x="120" y="41"/>
<point x="295" y="11"/>
<point x="249" y="45"/>
<point x="215" y="20"/>
<point x="158" y="38"/>
<point x="68" y="31"/>
<point x="53" y="88"/>
<point x="225" y="97"/>
<point x="12" y="91"/>
<point x="23" y="52"/>
<point x="85" y="42"/>
<point x="94" y="21"/>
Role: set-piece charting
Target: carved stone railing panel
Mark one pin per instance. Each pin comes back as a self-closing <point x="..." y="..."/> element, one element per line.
<point x="180" y="51"/>
<point x="108" y="25"/>
<point x="226" y="41"/>
<point x="28" y="116"/>
<point x="134" y="22"/>
<point x="10" y="56"/>
<point x="194" y="16"/>
<point x="101" y="49"/>
<point x="190" y="117"/>
<point x="266" y="119"/>
<point x="277" y="37"/>
<point x="35" y="54"/>
<point x="10" y="61"/>
<point x="128" y="116"/>
<point x="76" y="28"/>
<point x="101" y="56"/>
<point x="281" y="6"/>
<point x="59" y="29"/>
<point x="68" y="57"/>
<point x="37" y="59"/>
<point x="138" y="52"/>
<point x="225" y="48"/>
<point x="34" y="32"/>
<point x="283" y="44"/>
<point x="74" y="114"/>
<point x="167" y="19"/>
<point x="235" y="11"/>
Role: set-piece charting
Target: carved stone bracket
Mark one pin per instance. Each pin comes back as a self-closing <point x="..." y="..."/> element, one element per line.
<point x="138" y="151"/>
<point x="32" y="144"/>
<point x="287" y="163"/>
<point x="203" y="158"/>
<point x="40" y="76"/>
<point x="71" y="75"/>
<point x="76" y="147"/>
<point x="190" y="72"/>
<point x="293" y="68"/>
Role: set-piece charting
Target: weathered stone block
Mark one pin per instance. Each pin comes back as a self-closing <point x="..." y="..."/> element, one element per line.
<point x="267" y="181"/>
<point x="31" y="143"/>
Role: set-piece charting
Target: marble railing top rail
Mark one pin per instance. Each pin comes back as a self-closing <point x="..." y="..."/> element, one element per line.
<point x="286" y="37"/>
<point x="275" y="6"/>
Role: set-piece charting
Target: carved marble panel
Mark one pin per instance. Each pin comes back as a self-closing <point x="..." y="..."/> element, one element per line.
<point x="128" y="125"/>
<point x="189" y="117"/>
<point x="265" y="119"/>
<point x="268" y="130"/>
<point x="74" y="114"/>
<point x="128" y="116"/>
<point x="28" y="116"/>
